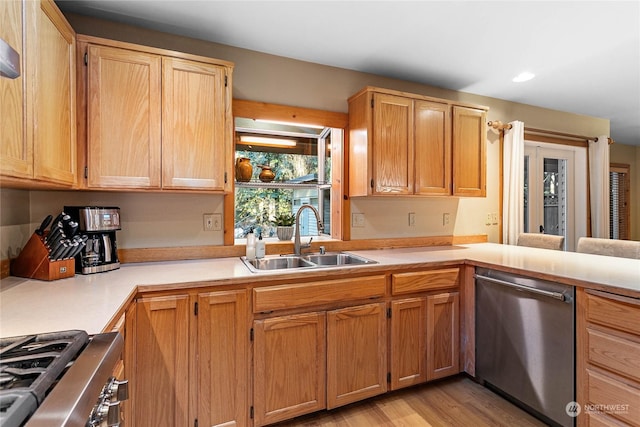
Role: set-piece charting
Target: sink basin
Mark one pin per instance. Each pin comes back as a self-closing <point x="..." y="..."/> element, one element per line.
<point x="330" y="259"/>
<point x="336" y="258"/>
<point x="276" y="263"/>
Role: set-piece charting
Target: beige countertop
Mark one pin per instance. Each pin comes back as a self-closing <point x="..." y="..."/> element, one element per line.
<point x="90" y="302"/>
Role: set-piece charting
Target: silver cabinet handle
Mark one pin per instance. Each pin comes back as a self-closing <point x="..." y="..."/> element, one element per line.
<point x="556" y="295"/>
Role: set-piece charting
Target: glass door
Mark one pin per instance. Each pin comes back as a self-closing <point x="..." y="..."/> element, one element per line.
<point x="548" y="192"/>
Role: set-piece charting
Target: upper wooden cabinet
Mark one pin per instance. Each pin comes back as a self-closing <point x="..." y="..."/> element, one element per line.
<point x="155" y="119"/>
<point x="123" y="118"/>
<point x="193" y="125"/>
<point x="406" y="144"/>
<point x="16" y="156"/>
<point x="469" y="151"/>
<point x="38" y="109"/>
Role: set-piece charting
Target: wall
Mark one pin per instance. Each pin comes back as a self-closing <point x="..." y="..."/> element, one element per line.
<point x="630" y="155"/>
<point x="261" y="77"/>
<point x="15" y="223"/>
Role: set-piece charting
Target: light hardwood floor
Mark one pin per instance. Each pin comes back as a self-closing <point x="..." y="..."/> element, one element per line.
<point x="457" y="401"/>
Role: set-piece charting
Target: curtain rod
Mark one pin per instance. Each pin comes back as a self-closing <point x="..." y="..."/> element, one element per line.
<point x="565" y="135"/>
<point x="498" y="125"/>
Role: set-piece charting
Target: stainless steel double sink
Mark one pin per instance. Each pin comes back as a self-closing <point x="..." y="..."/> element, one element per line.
<point x="309" y="261"/>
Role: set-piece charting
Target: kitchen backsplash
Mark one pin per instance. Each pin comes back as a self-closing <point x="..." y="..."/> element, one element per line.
<point x="148" y="219"/>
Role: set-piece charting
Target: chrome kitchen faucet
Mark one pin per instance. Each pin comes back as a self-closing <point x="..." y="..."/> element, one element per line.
<point x="297" y="246"/>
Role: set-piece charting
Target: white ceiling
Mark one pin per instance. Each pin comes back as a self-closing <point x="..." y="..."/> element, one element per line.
<point x="585" y="54"/>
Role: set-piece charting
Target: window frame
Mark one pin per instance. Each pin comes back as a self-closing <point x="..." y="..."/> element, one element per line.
<point x="276" y="112"/>
<point x="625" y="170"/>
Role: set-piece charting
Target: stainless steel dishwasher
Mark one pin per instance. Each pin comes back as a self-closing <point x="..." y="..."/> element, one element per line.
<point x="525" y="342"/>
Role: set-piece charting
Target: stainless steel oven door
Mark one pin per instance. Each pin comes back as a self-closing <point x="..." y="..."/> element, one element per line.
<point x="86" y="395"/>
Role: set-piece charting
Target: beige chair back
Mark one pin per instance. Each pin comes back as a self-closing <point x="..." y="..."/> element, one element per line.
<point x="543" y="241"/>
<point x="609" y="247"/>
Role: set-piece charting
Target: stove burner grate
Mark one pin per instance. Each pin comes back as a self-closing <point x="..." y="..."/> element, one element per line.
<point x="29" y="366"/>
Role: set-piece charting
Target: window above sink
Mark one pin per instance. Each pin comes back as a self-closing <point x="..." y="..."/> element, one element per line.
<point x="300" y="156"/>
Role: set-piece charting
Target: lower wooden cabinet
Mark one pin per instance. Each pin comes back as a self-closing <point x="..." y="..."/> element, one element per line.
<point x="245" y="357"/>
<point x="425" y="339"/>
<point x="289" y="377"/>
<point x="161" y="387"/>
<point x="443" y="335"/>
<point x="608" y="358"/>
<point x="356" y="353"/>
<point x="311" y="361"/>
<point x="408" y="350"/>
<point x="222" y="358"/>
<point x="178" y="380"/>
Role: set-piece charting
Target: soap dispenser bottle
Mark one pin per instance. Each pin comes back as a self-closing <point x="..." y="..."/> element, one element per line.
<point x="251" y="245"/>
<point x="260" y="249"/>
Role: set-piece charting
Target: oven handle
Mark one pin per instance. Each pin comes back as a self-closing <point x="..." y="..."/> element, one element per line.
<point x="550" y="294"/>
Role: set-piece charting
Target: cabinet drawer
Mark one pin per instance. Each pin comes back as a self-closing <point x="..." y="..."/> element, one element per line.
<point x="406" y="283"/>
<point x="317" y="293"/>
<point x="617" y="354"/>
<point x="612" y="397"/>
<point x="615" y="311"/>
<point x="600" y="420"/>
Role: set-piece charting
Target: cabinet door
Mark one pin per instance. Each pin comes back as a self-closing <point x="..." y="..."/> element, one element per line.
<point x="432" y="148"/>
<point x="392" y="144"/>
<point x="123" y="118"/>
<point x="223" y="336"/>
<point x="443" y="335"/>
<point x="469" y="152"/>
<point x="289" y="367"/>
<point x="52" y="111"/>
<point x="16" y="155"/>
<point x="161" y="395"/>
<point x="356" y="353"/>
<point x="128" y="406"/>
<point x="193" y="125"/>
<point x="408" y="350"/>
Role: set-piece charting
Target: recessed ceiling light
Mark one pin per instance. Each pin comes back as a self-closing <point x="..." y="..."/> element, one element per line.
<point x="523" y="77"/>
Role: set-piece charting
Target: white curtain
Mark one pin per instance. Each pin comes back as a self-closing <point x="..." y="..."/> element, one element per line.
<point x="599" y="186"/>
<point x="513" y="184"/>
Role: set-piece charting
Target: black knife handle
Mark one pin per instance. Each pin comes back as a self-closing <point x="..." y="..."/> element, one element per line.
<point x="43" y="225"/>
<point x="56" y="255"/>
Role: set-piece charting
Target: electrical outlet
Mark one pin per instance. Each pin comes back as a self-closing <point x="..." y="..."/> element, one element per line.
<point x="357" y="220"/>
<point x="445" y="218"/>
<point x="211" y="222"/>
<point x="488" y="220"/>
<point x="412" y="219"/>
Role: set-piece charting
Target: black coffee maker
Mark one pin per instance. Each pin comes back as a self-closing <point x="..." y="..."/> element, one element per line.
<point x="99" y="224"/>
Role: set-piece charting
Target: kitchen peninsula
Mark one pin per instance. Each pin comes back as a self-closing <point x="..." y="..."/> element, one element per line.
<point x="92" y="302"/>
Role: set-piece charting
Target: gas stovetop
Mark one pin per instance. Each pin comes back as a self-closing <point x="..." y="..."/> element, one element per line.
<point x="30" y="366"/>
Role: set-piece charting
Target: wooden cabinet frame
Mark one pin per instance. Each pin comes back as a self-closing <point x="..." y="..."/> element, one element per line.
<point x="250" y="355"/>
<point x="178" y="131"/>
<point x="408" y="144"/>
<point x="39" y="143"/>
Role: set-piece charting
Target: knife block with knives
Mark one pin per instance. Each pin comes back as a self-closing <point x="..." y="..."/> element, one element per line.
<point x="50" y="255"/>
<point x="33" y="262"/>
